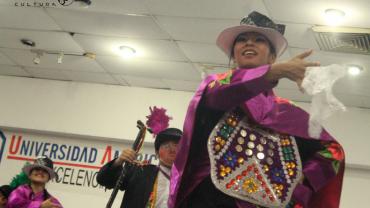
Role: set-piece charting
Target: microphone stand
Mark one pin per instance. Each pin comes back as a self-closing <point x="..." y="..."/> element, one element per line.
<point x="136" y="147"/>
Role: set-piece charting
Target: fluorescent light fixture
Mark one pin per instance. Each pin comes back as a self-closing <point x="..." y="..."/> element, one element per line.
<point x="354" y="70"/>
<point x="334" y="16"/>
<point x="127" y="52"/>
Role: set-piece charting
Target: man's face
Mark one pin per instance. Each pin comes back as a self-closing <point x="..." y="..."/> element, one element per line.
<point x="39" y="175"/>
<point x="251" y="50"/>
<point x="167" y="153"/>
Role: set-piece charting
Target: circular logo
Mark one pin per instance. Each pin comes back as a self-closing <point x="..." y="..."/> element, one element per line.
<point x="65" y="2"/>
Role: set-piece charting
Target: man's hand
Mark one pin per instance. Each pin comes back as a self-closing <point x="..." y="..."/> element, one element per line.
<point x="49" y="204"/>
<point x="127" y="155"/>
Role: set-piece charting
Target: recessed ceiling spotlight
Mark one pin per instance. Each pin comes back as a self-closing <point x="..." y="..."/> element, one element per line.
<point x="334" y="16"/>
<point x="37" y="59"/>
<point x="60" y="57"/>
<point x="354" y="70"/>
<point x="84" y="3"/>
<point x="28" y="42"/>
<point x="127" y="52"/>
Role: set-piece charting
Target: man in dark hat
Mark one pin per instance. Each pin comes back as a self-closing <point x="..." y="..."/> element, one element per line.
<point x="5" y="191"/>
<point x="35" y="193"/>
<point x="245" y="147"/>
<point x="144" y="185"/>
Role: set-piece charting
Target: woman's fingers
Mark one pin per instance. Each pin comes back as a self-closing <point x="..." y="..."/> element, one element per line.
<point x="304" y="54"/>
<point x="299" y="83"/>
<point x="311" y="64"/>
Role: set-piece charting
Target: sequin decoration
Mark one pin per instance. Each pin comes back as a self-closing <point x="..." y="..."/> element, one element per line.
<point x="249" y="152"/>
<point x="250" y="185"/>
<point x="271" y="145"/>
<point x="277" y="175"/>
<point x="260" y="155"/>
<point x="260" y="148"/>
<point x="232" y="121"/>
<point x="241" y="140"/>
<point x="252" y="137"/>
<point x="226" y="130"/>
<point x="238" y="148"/>
<point x="243" y="133"/>
<point x="263" y="140"/>
<point x="230" y="159"/>
<point x="278" y="189"/>
<point x="269" y="160"/>
<point x="257" y="165"/>
<point x="250" y="145"/>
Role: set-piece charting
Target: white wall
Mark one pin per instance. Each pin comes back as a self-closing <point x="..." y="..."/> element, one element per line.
<point x="83" y="109"/>
<point x="106" y="111"/>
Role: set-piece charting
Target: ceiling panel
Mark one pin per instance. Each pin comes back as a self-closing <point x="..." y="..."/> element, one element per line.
<point x="49" y="61"/>
<point x="312" y="12"/>
<point x="26" y="18"/>
<point x="102" y="78"/>
<point x="107" y="24"/>
<point x="147" y="68"/>
<point x="301" y="36"/>
<point x="287" y="84"/>
<point x="144" y="82"/>
<point x="13" y="71"/>
<point x="327" y="58"/>
<point x="205" y="8"/>
<point x="180" y="85"/>
<point x="114" y="6"/>
<point x="48" y="40"/>
<point x="202" y="52"/>
<point x="5" y="60"/>
<point x="352" y="100"/>
<point x="365" y="102"/>
<point x="354" y="85"/>
<point x="285" y="56"/>
<point x="202" y="30"/>
<point x="147" y="49"/>
<point x="175" y="40"/>
<point x="47" y="73"/>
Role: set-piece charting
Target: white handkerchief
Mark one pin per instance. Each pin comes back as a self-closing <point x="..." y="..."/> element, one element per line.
<point x="318" y="83"/>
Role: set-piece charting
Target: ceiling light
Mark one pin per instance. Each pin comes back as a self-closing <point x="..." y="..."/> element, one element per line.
<point x="83" y="3"/>
<point x="28" y="42"/>
<point x="334" y="16"/>
<point x="60" y="57"/>
<point x="90" y="55"/>
<point x="127" y="52"/>
<point x="37" y="59"/>
<point x="354" y="70"/>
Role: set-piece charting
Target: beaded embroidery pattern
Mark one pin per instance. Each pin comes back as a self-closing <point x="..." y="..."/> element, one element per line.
<point x="253" y="164"/>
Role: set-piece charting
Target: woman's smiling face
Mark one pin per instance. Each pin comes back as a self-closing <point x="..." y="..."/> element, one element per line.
<point x="251" y="50"/>
<point x="39" y="175"/>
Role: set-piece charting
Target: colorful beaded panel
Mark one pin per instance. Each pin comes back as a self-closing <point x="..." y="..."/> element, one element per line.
<point x="253" y="164"/>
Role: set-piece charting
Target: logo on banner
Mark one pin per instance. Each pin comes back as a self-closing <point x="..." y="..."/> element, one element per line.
<point x="75" y="163"/>
<point x="2" y="145"/>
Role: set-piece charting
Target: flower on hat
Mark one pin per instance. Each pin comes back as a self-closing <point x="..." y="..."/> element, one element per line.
<point x="157" y="120"/>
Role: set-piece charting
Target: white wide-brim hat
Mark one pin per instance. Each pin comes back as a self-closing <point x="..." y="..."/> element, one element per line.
<point x="254" y="22"/>
<point x="43" y="163"/>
